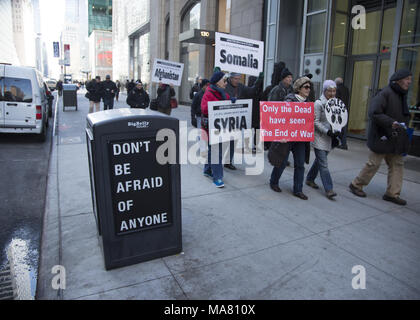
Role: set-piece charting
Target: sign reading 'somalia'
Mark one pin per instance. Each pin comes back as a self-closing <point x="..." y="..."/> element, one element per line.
<point x="167" y="72"/>
<point x="240" y="55"/>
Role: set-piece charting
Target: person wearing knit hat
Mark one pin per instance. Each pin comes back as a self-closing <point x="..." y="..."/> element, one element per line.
<point x="279" y="92"/>
<point x="216" y="77"/>
<point x="300" y="150"/>
<point x="323" y="141"/>
<point x="387" y="137"/>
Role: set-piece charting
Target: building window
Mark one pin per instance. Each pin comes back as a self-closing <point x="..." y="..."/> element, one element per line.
<point x="315" y="33"/>
<point x="410" y="27"/>
<point x="316" y="5"/>
<point x="191" y="19"/>
<point x="223" y="23"/>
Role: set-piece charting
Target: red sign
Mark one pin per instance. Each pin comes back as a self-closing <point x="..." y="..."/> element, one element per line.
<point x="291" y="121"/>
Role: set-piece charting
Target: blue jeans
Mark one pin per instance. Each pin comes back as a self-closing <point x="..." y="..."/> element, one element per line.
<point x="321" y="165"/>
<point x="214" y="166"/>
<point x="108" y="103"/>
<point x="298" y="150"/>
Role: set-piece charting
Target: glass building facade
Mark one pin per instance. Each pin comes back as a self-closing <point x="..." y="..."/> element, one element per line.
<point x="100" y="15"/>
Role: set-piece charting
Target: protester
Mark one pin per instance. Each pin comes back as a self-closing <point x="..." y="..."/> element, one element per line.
<point x="284" y="88"/>
<point x="164" y="94"/>
<point x="215" y="92"/>
<point x="343" y="94"/>
<point x="117" y="93"/>
<point x="196" y="87"/>
<point x="323" y="142"/>
<point x="255" y="123"/>
<point x="138" y="97"/>
<point x="59" y="87"/>
<point x="311" y="97"/>
<point x="300" y="150"/>
<point x="109" y="89"/>
<point x="94" y="89"/>
<point x="387" y="137"/>
<point x="196" y="104"/>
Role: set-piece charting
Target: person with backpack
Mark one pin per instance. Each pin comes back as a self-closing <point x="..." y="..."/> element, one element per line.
<point x="164" y="94"/>
<point x="138" y="97"/>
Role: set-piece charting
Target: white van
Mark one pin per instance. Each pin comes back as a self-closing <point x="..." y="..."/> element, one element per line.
<point x="23" y="101"/>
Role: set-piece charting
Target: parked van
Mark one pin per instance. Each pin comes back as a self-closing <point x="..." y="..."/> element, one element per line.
<point x="23" y="101"/>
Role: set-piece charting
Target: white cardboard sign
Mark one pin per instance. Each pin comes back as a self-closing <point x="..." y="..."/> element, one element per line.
<point x="240" y="55"/>
<point x="336" y="113"/>
<point x="227" y="120"/>
<point x="167" y="72"/>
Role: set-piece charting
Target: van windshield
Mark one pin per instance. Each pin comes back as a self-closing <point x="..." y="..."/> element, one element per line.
<point x="17" y="90"/>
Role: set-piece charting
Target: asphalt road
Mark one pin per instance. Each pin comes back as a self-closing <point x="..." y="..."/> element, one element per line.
<point x="23" y="181"/>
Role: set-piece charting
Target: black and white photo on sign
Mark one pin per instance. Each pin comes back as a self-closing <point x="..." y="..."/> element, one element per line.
<point x="167" y="72"/>
<point x="240" y="55"/>
<point x="336" y="113"/>
<point x="227" y="120"/>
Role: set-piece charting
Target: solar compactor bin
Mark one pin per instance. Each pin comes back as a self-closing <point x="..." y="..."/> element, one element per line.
<point x="69" y="96"/>
<point x="136" y="199"/>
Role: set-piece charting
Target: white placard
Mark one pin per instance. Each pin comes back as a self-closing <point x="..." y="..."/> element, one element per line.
<point x="336" y="113"/>
<point x="227" y="120"/>
<point x="167" y="72"/>
<point x="240" y="55"/>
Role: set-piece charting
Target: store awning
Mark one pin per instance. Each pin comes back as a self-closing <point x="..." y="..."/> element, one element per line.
<point x="198" y="36"/>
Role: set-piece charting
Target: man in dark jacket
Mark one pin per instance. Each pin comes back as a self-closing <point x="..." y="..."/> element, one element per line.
<point x="94" y="89"/>
<point x="284" y="88"/>
<point x="138" y="97"/>
<point x="109" y="89"/>
<point x="343" y="93"/>
<point x="196" y="87"/>
<point x="196" y="104"/>
<point x="164" y="94"/>
<point x="388" y="116"/>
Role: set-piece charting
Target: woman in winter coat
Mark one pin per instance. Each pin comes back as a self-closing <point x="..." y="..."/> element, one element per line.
<point x="138" y="97"/>
<point x="215" y="92"/>
<point x="164" y="94"/>
<point x="323" y="141"/>
<point x="300" y="150"/>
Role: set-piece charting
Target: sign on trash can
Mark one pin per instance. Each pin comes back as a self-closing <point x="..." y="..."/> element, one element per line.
<point x="136" y="200"/>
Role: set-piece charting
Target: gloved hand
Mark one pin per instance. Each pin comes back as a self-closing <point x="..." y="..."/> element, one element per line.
<point x="233" y="99"/>
<point x="330" y="133"/>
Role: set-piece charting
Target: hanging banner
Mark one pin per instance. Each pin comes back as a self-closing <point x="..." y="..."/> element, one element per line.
<point x="67" y="55"/>
<point x="336" y="113"/>
<point x="290" y="121"/>
<point x="167" y="72"/>
<point x="240" y="55"/>
<point x="56" y="47"/>
<point x="227" y="120"/>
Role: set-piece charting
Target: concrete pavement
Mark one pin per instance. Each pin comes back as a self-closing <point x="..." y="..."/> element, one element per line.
<point x="240" y="242"/>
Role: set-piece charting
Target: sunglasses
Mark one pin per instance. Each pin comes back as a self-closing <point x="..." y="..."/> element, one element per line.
<point x="306" y="87"/>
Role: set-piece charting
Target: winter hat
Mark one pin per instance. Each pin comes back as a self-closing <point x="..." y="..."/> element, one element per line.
<point x="139" y="82"/>
<point x="276" y="76"/>
<point x="204" y="82"/>
<point x="400" y="74"/>
<point x="299" y="83"/>
<point x="216" y="69"/>
<point x="328" y="84"/>
<point x="234" y="74"/>
<point x="285" y="73"/>
<point x="216" y="77"/>
<point x="108" y="77"/>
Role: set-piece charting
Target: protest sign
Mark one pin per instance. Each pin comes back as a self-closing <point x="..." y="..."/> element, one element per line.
<point x="336" y="113"/>
<point x="291" y="121"/>
<point x="240" y="55"/>
<point x="167" y="72"/>
<point x="227" y="119"/>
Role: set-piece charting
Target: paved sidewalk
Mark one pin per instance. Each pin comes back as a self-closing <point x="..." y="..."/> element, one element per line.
<point x="243" y="241"/>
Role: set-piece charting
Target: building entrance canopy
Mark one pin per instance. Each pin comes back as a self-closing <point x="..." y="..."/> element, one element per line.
<point x="198" y="36"/>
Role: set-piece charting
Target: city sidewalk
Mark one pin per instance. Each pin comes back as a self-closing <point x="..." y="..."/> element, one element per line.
<point x="241" y="242"/>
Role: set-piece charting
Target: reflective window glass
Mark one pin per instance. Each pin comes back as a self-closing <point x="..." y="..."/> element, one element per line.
<point x="316" y="5"/>
<point x="18" y="90"/>
<point x="365" y="41"/>
<point x="387" y="30"/>
<point x="342" y="5"/>
<point x="1" y="89"/>
<point x="410" y="26"/>
<point x="340" y="34"/>
<point x="315" y="33"/>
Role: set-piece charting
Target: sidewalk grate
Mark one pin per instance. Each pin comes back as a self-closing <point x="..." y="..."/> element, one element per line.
<point x="6" y="284"/>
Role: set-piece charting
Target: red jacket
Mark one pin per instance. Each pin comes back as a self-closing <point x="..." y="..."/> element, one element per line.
<point x="209" y="95"/>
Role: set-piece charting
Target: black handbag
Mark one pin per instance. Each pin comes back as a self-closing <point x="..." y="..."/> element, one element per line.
<point x="278" y="153"/>
<point x="87" y="95"/>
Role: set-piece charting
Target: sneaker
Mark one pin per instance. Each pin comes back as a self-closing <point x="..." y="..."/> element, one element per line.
<point x="275" y="188"/>
<point x="396" y="200"/>
<point x="312" y="184"/>
<point x="230" y="166"/>
<point x="331" y="194"/>
<point x="358" y="192"/>
<point x="301" y="195"/>
<point x="219" y="183"/>
<point x="208" y="174"/>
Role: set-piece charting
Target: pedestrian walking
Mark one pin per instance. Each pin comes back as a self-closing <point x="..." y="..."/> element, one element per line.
<point x="109" y="89"/>
<point x="196" y="87"/>
<point x="343" y="93"/>
<point x="323" y="142"/>
<point x="387" y="137"/>
<point x="215" y="92"/>
<point x="59" y="87"/>
<point x="94" y="94"/>
<point x="117" y="93"/>
<point x="300" y="150"/>
<point x="138" y="97"/>
<point x="164" y="94"/>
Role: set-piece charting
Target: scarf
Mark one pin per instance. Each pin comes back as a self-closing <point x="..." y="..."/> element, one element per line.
<point x="403" y="94"/>
<point x="220" y="90"/>
<point x="300" y="98"/>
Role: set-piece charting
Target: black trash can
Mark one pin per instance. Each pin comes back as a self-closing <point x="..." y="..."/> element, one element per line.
<point x="69" y="96"/>
<point x="136" y="198"/>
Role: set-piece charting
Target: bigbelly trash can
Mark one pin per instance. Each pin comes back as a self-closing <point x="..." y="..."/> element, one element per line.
<point x="136" y="196"/>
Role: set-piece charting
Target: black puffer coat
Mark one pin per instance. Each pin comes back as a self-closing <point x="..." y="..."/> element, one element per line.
<point x="95" y="90"/>
<point x="385" y="108"/>
<point x="138" y="98"/>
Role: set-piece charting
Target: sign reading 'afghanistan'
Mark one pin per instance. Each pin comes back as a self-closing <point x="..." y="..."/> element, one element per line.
<point x="167" y="72"/>
<point x="141" y="196"/>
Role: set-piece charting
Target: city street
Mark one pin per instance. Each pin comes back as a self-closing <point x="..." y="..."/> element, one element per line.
<point x="24" y="166"/>
<point x="240" y="242"/>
